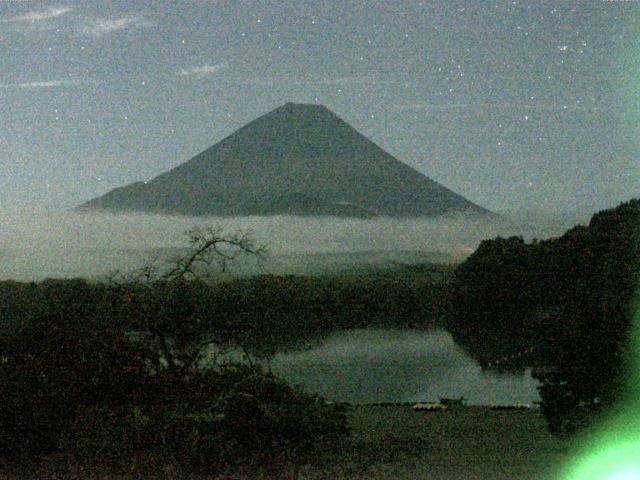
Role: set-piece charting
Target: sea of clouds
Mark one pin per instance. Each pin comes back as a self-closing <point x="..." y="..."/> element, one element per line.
<point x="37" y="245"/>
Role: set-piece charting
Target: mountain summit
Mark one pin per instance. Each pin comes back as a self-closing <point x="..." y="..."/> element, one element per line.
<point x="297" y="159"/>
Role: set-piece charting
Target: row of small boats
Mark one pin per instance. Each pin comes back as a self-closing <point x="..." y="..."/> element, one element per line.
<point x="440" y="407"/>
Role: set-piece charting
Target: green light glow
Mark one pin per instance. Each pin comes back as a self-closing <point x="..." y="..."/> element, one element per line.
<point x="618" y="461"/>
<point x="625" y="475"/>
<point x="613" y="451"/>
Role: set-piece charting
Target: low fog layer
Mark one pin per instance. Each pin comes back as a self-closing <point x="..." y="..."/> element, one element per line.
<point x="364" y="366"/>
<point x="34" y="246"/>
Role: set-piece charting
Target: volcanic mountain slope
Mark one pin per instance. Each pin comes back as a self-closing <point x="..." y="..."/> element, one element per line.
<point x="297" y="159"/>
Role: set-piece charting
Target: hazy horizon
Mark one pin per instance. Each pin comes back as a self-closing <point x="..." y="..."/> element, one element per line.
<point x="68" y="244"/>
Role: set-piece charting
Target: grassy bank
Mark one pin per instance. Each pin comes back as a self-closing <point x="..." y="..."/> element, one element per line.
<point x="394" y="442"/>
<point x="468" y="443"/>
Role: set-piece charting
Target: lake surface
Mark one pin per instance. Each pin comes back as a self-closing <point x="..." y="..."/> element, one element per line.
<point x="383" y="365"/>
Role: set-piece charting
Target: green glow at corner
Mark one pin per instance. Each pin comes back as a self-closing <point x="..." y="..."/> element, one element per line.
<point x="625" y="475"/>
<point x="613" y="453"/>
<point x="619" y="461"/>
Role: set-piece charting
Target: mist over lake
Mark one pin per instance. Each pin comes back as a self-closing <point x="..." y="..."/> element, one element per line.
<point x="388" y="365"/>
<point x="37" y="245"/>
<point x="356" y="366"/>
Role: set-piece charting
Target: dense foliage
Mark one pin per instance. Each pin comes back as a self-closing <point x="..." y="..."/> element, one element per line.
<point x="74" y="375"/>
<point x="128" y="373"/>
<point x="109" y="372"/>
<point x="563" y="305"/>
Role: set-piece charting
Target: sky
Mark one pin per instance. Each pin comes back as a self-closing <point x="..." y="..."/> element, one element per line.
<point x="512" y="104"/>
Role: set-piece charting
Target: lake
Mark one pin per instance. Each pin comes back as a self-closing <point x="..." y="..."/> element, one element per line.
<point x="389" y="365"/>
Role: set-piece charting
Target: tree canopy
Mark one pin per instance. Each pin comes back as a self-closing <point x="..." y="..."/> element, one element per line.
<point x="566" y="302"/>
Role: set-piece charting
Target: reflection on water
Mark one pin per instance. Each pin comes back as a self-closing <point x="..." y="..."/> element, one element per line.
<point x="361" y="366"/>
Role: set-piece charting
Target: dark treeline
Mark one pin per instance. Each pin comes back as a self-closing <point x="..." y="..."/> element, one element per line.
<point x="110" y="377"/>
<point x="263" y="314"/>
<point x="107" y="373"/>
<point x="563" y="305"/>
<point x="284" y="312"/>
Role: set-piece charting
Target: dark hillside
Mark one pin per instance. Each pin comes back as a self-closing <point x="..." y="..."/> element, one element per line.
<point x="563" y="305"/>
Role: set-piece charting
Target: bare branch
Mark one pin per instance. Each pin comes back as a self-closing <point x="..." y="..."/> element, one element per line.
<point x="211" y="245"/>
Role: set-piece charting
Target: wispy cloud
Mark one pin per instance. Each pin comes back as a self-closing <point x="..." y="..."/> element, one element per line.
<point x="350" y="80"/>
<point x="449" y="106"/>
<point x="202" y="70"/>
<point x="47" y="19"/>
<point x="497" y="105"/>
<point x="38" y="15"/>
<point x="327" y="81"/>
<point x="42" y="84"/>
<point x="98" y="27"/>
